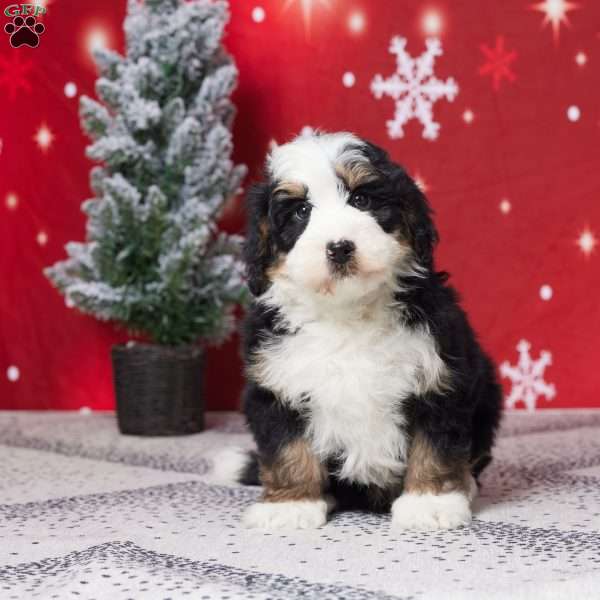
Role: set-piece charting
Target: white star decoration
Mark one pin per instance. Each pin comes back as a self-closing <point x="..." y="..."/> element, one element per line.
<point x="527" y="378"/>
<point x="307" y="8"/>
<point x="97" y="38"/>
<point x="44" y="137"/>
<point x="587" y="242"/>
<point x="556" y="13"/>
<point x="356" y="22"/>
<point x="431" y="22"/>
<point x="13" y="373"/>
<point x="505" y="206"/>
<point x="12" y="201"/>
<point x="414" y="88"/>
<point x="42" y="238"/>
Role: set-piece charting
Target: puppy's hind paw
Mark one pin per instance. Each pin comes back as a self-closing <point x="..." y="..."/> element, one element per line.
<point x="430" y="512"/>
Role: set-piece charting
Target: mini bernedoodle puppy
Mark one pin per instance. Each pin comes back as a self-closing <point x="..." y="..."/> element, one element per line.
<point x="367" y="388"/>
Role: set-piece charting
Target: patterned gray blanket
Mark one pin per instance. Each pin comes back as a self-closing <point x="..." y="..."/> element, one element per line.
<point x="87" y="513"/>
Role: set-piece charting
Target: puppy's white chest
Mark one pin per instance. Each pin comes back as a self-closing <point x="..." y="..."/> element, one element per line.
<point x="351" y="381"/>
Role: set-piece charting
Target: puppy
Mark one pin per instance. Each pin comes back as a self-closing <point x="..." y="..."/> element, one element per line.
<point x="366" y="386"/>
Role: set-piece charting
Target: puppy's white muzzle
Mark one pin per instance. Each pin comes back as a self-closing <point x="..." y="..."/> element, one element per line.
<point x="373" y="254"/>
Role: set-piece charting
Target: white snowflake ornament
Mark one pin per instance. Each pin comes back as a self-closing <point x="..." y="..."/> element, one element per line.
<point x="414" y="88"/>
<point x="527" y="378"/>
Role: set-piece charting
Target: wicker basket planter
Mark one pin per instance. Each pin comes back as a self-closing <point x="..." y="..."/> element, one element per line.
<point x="158" y="389"/>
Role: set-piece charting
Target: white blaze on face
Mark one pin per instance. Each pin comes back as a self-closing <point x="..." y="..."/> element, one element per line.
<point x="311" y="161"/>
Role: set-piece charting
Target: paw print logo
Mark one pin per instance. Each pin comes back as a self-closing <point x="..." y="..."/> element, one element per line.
<point x="24" y="32"/>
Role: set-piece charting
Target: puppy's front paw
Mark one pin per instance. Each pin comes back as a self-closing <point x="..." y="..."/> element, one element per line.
<point x="296" y="514"/>
<point x="430" y="512"/>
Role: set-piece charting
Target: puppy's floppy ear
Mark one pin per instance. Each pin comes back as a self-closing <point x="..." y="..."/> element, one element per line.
<point x="420" y="222"/>
<point x="416" y="211"/>
<point x="258" y="252"/>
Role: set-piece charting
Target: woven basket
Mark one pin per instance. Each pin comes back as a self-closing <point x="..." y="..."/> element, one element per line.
<point x="158" y="389"/>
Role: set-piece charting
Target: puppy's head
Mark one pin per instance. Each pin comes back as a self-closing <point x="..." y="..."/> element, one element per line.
<point x="335" y="219"/>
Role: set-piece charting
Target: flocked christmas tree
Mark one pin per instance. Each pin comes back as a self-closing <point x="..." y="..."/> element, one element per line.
<point x="153" y="259"/>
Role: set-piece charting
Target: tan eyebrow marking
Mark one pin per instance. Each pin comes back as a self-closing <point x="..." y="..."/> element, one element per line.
<point x="291" y="189"/>
<point x="355" y="173"/>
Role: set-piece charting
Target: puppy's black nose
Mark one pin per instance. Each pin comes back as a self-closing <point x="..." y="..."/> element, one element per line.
<point x="340" y="252"/>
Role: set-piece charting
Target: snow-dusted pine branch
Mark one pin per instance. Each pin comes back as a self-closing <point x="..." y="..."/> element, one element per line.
<point x="153" y="259"/>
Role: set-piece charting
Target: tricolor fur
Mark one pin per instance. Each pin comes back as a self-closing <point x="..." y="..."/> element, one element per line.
<point x="366" y="383"/>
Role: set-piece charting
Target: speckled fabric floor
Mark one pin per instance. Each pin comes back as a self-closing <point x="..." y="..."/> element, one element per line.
<point x="87" y="513"/>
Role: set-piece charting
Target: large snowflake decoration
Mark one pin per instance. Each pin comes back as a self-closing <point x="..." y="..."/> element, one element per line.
<point x="13" y="74"/>
<point x="527" y="377"/>
<point x="414" y="88"/>
<point x="498" y="62"/>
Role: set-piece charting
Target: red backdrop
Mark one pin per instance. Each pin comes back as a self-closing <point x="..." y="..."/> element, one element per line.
<point x="513" y="172"/>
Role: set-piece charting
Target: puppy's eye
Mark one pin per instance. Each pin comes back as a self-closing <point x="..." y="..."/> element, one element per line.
<point x="302" y="211"/>
<point x="360" y="201"/>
